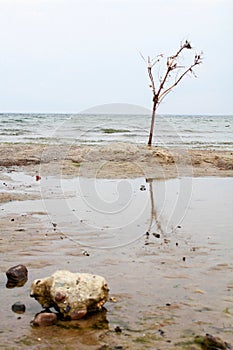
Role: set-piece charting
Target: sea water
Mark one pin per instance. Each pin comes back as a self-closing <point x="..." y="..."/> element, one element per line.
<point x="186" y="131"/>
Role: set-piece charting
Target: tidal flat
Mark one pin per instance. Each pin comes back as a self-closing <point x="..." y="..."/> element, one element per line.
<point x="163" y="243"/>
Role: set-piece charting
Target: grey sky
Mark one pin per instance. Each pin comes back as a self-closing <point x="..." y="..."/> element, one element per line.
<point x="70" y="55"/>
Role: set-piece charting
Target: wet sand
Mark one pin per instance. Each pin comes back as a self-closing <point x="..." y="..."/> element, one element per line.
<point x="168" y="286"/>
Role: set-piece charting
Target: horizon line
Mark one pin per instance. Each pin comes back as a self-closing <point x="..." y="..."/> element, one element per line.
<point x="115" y="113"/>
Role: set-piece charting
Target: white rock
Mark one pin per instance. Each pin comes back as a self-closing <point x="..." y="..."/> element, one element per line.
<point x="71" y="294"/>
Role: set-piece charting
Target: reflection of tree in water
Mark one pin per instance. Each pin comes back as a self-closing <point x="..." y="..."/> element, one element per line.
<point x="154" y="220"/>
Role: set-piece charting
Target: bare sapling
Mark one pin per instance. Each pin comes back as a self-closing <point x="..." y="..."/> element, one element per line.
<point x="173" y="74"/>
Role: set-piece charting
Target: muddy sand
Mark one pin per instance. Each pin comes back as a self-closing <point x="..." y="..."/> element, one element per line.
<point x="156" y="223"/>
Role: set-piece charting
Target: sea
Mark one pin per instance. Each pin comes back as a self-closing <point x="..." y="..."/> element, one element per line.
<point x="185" y="131"/>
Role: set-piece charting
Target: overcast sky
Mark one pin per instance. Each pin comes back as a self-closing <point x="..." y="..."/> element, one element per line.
<point x="70" y="55"/>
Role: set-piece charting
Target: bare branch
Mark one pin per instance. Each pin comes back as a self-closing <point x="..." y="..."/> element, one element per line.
<point x="142" y="56"/>
<point x="165" y="78"/>
<point x="185" y="45"/>
<point x="197" y="61"/>
<point x="156" y="59"/>
<point x="172" y="64"/>
<point x="152" y="80"/>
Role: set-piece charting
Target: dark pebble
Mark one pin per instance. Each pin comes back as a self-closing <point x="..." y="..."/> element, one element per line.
<point x="12" y="219"/>
<point x="118" y="329"/>
<point x="184" y="258"/>
<point x="157" y="235"/>
<point x="17" y="276"/>
<point x="85" y="253"/>
<point x="161" y="332"/>
<point x="18" y="307"/>
<point x="178" y="226"/>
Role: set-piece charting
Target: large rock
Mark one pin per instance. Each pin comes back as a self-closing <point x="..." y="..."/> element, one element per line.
<point x="71" y="294"/>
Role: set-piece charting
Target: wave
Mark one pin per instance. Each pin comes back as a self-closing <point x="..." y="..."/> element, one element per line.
<point x="208" y="132"/>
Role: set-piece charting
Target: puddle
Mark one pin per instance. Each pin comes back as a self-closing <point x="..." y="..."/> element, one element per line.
<point x="177" y="278"/>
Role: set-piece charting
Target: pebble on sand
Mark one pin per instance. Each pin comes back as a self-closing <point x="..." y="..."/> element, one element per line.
<point x="18" y="307"/>
<point x="17" y="276"/>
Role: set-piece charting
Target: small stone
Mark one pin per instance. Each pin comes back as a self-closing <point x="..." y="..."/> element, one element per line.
<point x="18" y="307"/>
<point x="85" y="253"/>
<point x="161" y="332"/>
<point x="184" y="258"/>
<point x="112" y="300"/>
<point x="157" y="235"/>
<point x="17" y="276"/>
<point x="118" y="329"/>
<point x="44" y="319"/>
<point x="199" y="291"/>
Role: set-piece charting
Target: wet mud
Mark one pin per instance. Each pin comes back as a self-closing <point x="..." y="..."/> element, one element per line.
<point x="166" y="252"/>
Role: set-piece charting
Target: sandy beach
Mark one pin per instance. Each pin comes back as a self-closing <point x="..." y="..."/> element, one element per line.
<point x="122" y="159"/>
<point x="155" y="222"/>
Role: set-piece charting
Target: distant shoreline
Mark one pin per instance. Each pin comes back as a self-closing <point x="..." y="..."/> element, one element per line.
<point x="228" y="115"/>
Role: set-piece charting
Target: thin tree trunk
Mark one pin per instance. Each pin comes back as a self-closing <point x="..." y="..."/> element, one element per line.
<point x="152" y="124"/>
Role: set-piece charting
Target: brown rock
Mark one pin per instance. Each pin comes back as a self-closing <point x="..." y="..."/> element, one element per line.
<point x="44" y="319"/>
<point x="17" y="276"/>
